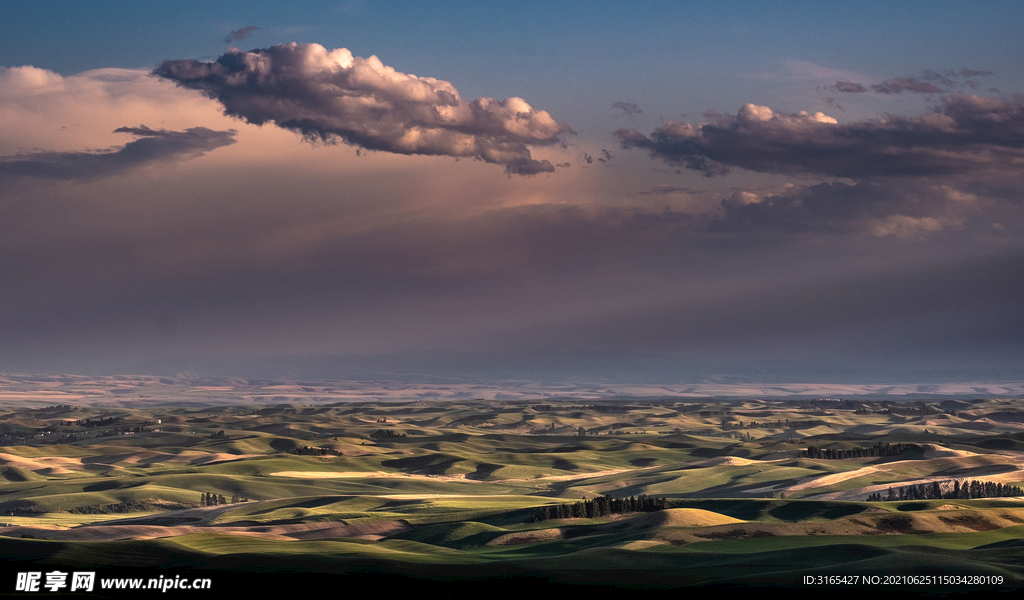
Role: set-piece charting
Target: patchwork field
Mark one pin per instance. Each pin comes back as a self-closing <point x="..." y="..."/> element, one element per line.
<point x="226" y="480"/>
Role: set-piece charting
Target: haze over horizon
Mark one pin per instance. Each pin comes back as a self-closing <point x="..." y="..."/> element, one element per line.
<point x="704" y="184"/>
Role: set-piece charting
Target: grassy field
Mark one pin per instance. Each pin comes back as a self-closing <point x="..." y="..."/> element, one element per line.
<point x="442" y="492"/>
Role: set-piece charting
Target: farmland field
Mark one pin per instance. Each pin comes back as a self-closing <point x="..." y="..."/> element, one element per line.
<point x="173" y="477"/>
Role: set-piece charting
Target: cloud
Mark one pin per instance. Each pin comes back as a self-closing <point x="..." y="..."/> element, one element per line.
<point x="152" y="146"/>
<point x="240" y="34"/>
<point x="897" y="208"/>
<point x="849" y="87"/>
<point x="325" y="95"/>
<point x="972" y="73"/>
<point x="929" y="82"/>
<point x="907" y="226"/>
<point x="906" y="84"/>
<point x="664" y="190"/>
<point x="628" y="108"/>
<point x="969" y="134"/>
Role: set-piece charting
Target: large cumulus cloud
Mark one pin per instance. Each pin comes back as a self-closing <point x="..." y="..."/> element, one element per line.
<point x="332" y="94"/>
<point x="966" y="135"/>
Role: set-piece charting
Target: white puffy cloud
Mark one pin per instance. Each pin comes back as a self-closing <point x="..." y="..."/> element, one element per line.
<point x="753" y="112"/>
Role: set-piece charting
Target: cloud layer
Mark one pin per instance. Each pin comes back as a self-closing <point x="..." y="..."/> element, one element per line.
<point x="326" y="95"/>
<point x="152" y="146"/>
<point x="968" y="134"/>
<point x="929" y="82"/>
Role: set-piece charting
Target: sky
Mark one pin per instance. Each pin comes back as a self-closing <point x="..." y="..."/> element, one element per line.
<point x="710" y="181"/>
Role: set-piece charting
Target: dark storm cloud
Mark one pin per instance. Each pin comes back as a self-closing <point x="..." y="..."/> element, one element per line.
<point x="240" y="34"/>
<point x="326" y="95"/>
<point x="152" y="146"/>
<point x="628" y="108"/>
<point x="967" y="135"/>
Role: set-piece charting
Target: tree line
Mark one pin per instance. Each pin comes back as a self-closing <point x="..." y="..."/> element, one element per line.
<point x="607" y="408"/>
<point x="948" y="490"/>
<point x="314" y="451"/>
<point x="100" y="422"/>
<point x="871" y="451"/>
<point x="917" y="410"/>
<point x="787" y="424"/>
<point x="601" y="506"/>
<point x="211" y="499"/>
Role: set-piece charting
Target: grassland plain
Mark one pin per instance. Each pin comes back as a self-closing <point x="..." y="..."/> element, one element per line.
<point x="117" y="477"/>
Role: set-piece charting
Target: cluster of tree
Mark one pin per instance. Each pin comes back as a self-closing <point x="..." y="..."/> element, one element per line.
<point x="618" y="425"/>
<point x="101" y="422"/>
<point x="917" y="409"/>
<point x="574" y="407"/>
<point x="713" y="432"/>
<point x="314" y="451"/>
<point x="871" y="451"/>
<point x="12" y="438"/>
<point x="545" y="430"/>
<point x="598" y="507"/>
<point x="58" y="408"/>
<point x="211" y="499"/>
<point x="949" y="490"/>
<point x="611" y="408"/>
<point x="581" y="432"/>
<point x="220" y="435"/>
<point x="823" y="403"/>
<point x="386" y="434"/>
<point x="382" y="420"/>
<point x="780" y="424"/>
<point x="123" y="430"/>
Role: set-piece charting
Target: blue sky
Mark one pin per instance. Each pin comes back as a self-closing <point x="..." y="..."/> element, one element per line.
<point x="741" y="180"/>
